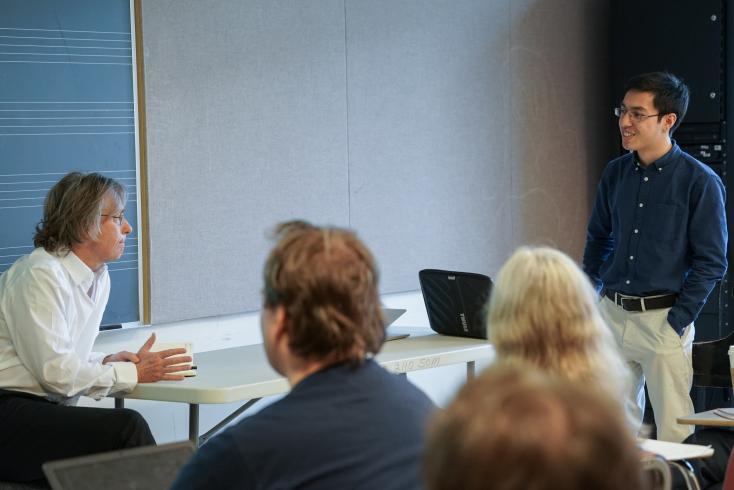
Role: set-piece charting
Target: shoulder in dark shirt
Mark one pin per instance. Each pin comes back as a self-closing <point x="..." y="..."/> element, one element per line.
<point x="342" y="427"/>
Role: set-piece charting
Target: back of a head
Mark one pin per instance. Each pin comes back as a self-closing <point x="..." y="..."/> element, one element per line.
<point x="326" y="280"/>
<point x="516" y="429"/>
<point x="73" y="208"/>
<point x="670" y="93"/>
<point x="543" y="311"/>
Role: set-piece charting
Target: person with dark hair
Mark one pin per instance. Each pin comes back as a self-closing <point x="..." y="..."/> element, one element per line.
<point x="656" y="246"/>
<point x="514" y="428"/>
<point x="51" y="305"/>
<point x="347" y="422"/>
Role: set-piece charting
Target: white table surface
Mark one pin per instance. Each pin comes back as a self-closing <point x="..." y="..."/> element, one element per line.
<point x="242" y="373"/>
<point x="675" y="451"/>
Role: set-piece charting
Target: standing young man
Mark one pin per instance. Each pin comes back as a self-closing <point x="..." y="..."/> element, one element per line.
<point x="347" y="422"/>
<point x="51" y="305"/>
<point x="656" y="246"/>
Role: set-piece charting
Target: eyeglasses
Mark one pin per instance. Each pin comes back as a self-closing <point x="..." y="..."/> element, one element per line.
<point x="117" y="218"/>
<point x="636" y="116"/>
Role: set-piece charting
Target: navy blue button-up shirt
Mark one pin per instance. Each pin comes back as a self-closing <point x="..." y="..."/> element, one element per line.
<point x="659" y="229"/>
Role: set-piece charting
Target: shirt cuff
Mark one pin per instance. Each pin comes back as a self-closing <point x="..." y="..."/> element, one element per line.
<point x="126" y="376"/>
<point x="96" y="357"/>
<point x="676" y="324"/>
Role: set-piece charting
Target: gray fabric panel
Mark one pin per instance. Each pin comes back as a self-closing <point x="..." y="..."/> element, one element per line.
<point x="428" y="134"/>
<point x="564" y="131"/>
<point x="474" y="127"/>
<point x="471" y="127"/>
<point x="246" y="111"/>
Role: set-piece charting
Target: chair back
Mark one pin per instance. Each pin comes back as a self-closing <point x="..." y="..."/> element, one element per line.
<point x="656" y="473"/>
<point x="711" y="363"/>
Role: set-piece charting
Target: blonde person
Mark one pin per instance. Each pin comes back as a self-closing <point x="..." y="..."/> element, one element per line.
<point x="543" y="311"/>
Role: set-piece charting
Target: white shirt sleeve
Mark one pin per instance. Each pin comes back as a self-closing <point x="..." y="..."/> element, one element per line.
<point x="46" y="343"/>
<point x="96" y="357"/>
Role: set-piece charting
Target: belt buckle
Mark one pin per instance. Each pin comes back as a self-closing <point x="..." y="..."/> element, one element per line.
<point x="619" y="299"/>
<point x="622" y="302"/>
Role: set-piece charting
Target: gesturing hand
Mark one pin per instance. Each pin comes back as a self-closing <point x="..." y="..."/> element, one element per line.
<point x="156" y="366"/>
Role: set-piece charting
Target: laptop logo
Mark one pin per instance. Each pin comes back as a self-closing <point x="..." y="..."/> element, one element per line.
<point x="464" y="325"/>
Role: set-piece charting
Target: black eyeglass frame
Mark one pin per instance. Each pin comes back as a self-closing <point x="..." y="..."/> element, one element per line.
<point x="634" y="115"/>
<point x="118" y="218"/>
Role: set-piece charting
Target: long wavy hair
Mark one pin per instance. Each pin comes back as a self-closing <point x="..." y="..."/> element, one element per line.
<point x="73" y="208"/>
<point x="543" y="310"/>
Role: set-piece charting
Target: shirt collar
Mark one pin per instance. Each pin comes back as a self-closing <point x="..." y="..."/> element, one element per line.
<point x="663" y="161"/>
<point x="80" y="273"/>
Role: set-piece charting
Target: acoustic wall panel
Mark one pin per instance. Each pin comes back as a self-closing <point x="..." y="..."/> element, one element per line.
<point x="445" y="133"/>
<point x="246" y="111"/>
<point x="428" y="124"/>
<point x="560" y="118"/>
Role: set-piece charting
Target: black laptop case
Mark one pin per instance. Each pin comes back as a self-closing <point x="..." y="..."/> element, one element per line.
<point x="456" y="301"/>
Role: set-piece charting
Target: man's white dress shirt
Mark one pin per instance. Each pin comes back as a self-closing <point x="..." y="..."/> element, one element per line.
<point x="51" y="306"/>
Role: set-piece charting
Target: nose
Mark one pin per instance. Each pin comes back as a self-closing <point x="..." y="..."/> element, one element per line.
<point x="625" y="119"/>
<point x="126" y="228"/>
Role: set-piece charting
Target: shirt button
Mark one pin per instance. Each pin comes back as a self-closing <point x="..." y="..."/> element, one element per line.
<point x="646" y="179"/>
<point x="632" y="257"/>
<point x="636" y="231"/>
<point x="627" y="281"/>
<point x="641" y="204"/>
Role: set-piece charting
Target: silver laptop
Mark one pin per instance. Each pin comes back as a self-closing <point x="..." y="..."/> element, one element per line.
<point x="389" y="315"/>
<point x="149" y="468"/>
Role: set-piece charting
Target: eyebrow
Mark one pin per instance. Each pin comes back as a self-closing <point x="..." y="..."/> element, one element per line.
<point x="637" y="107"/>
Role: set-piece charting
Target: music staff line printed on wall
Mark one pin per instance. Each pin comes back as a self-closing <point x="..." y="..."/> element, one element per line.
<point x="53" y="118"/>
<point x="46" y="46"/>
<point x="18" y="191"/>
<point x="64" y="173"/>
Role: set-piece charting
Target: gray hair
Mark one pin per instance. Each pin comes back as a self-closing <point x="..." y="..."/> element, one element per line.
<point x="72" y="210"/>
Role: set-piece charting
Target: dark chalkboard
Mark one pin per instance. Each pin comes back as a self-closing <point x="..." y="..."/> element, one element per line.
<point x="66" y="103"/>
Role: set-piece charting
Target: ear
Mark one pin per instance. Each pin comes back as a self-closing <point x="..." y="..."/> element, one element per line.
<point x="669" y="121"/>
<point x="280" y="322"/>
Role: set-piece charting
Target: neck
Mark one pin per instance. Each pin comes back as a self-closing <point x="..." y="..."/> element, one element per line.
<point x="86" y="257"/>
<point x="646" y="157"/>
<point x="300" y="370"/>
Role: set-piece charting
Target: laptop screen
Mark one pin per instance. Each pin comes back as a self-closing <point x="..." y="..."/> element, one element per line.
<point x="150" y="468"/>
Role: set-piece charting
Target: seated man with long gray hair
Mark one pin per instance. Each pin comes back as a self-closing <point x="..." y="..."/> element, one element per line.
<point x="51" y="305"/>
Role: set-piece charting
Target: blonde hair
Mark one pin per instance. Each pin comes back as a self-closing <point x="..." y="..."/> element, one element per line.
<point x="543" y="310"/>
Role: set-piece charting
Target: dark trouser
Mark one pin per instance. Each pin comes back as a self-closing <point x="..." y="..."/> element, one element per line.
<point x="711" y="471"/>
<point x="34" y="430"/>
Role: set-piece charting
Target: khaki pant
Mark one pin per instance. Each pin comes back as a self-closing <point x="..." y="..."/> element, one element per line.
<point x="656" y="353"/>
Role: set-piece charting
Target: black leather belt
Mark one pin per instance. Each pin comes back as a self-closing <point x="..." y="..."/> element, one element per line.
<point x="634" y="303"/>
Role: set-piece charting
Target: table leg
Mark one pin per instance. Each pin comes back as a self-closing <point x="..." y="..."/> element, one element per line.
<point x="194" y="423"/>
<point x="470" y="370"/>
<point x="119" y="403"/>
